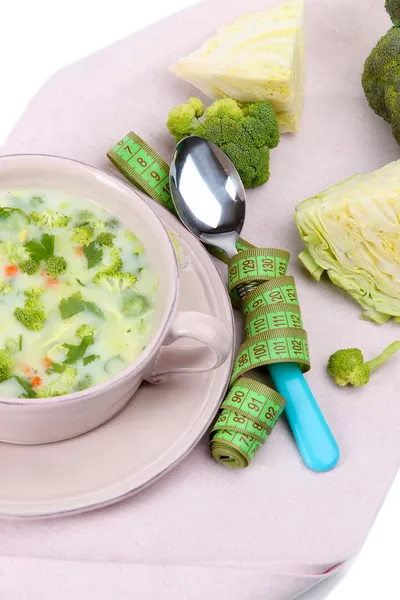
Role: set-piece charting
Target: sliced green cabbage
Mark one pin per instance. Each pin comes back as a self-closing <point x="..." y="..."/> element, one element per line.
<point x="260" y="56"/>
<point x="352" y="231"/>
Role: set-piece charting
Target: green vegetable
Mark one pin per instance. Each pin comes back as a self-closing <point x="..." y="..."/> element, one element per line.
<point x="134" y="304"/>
<point x="7" y="211"/>
<point x="348" y="366"/>
<point x="57" y="368"/>
<point x="352" y="231"/>
<point x="79" y="281"/>
<point x="83" y="234"/>
<point x="93" y="308"/>
<point x="76" y="352"/>
<point x="260" y="56"/>
<point x="29" y="266"/>
<point x="112" y="277"/>
<point x="25" y="384"/>
<point x="88" y="359"/>
<point x="41" y="250"/>
<point x="14" y="252"/>
<point x="244" y="134"/>
<point x="32" y="316"/>
<point x="63" y="385"/>
<point x="93" y="254"/>
<point x="113" y="365"/>
<point x="5" y="288"/>
<point x="84" y="383"/>
<point x="112" y="223"/>
<point x="71" y="306"/>
<point x="36" y="201"/>
<point x="11" y="346"/>
<point x="105" y="239"/>
<point x="20" y="339"/>
<point x="380" y="78"/>
<point x="50" y="218"/>
<point x="85" y="330"/>
<point x="6" y="365"/>
<point x="56" y="265"/>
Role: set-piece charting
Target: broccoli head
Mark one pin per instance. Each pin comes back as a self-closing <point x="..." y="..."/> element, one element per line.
<point x="134" y="304"/>
<point x="50" y="218"/>
<point x="105" y="239"/>
<point x="246" y="134"/>
<point x="29" y="266"/>
<point x="348" y="366"/>
<point x="56" y="265"/>
<point x="112" y="277"/>
<point x="6" y="365"/>
<point x="5" y="288"/>
<point x="84" y="383"/>
<point x="381" y="75"/>
<point x="83" y="234"/>
<point x="183" y="119"/>
<point x="32" y="316"/>
<point x="85" y="330"/>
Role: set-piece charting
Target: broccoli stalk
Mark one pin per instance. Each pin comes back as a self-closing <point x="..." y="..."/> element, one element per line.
<point x="246" y="134"/>
<point x="348" y="366"/>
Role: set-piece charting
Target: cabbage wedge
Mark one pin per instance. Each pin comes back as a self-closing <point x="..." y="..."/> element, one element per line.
<point x="352" y="231"/>
<point x="259" y="56"/>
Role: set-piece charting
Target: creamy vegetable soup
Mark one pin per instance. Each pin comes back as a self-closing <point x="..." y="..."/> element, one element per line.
<point x="77" y="295"/>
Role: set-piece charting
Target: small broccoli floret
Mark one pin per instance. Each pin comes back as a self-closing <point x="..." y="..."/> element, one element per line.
<point x="6" y="365"/>
<point x="56" y="265"/>
<point x="105" y="239"/>
<point x="29" y="266"/>
<point x="14" y="252"/>
<point x="83" y="234"/>
<point x="183" y="119"/>
<point x="5" y="288"/>
<point x="34" y="292"/>
<point x="134" y="304"/>
<point x="32" y="316"/>
<point x="112" y="223"/>
<point x="50" y="218"/>
<point x="61" y="386"/>
<point x="84" y="383"/>
<point x="244" y="134"/>
<point x="112" y="277"/>
<point x="85" y="330"/>
<point x="348" y="366"/>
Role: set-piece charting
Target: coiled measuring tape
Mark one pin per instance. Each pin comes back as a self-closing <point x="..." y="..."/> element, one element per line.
<point x="273" y="331"/>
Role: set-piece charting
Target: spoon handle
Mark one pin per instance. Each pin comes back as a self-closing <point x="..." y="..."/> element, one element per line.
<point x="314" y="438"/>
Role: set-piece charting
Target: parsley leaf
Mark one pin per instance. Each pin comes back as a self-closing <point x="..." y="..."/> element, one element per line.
<point x="90" y="358"/>
<point x="57" y="368"/>
<point x="77" y="352"/>
<point x="71" y="306"/>
<point x="24" y="383"/>
<point x="41" y="250"/>
<point x="93" y="254"/>
<point x="93" y="308"/>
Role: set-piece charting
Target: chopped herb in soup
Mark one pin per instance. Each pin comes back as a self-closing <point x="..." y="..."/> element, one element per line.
<point x="77" y="295"/>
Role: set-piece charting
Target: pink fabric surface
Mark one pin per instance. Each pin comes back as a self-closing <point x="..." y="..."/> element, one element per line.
<point x="272" y="530"/>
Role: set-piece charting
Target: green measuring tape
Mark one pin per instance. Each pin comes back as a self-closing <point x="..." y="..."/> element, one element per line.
<point x="273" y="324"/>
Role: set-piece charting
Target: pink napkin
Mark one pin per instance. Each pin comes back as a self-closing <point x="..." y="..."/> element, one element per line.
<point x="273" y="530"/>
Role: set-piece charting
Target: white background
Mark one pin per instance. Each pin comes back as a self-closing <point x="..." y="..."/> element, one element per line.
<point x="40" y="36"/>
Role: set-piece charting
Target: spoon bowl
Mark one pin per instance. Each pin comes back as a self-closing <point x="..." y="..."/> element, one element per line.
<point x="208" y="193"/>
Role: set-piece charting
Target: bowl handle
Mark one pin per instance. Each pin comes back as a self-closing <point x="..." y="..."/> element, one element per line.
<point x="212" y="346"/>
